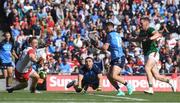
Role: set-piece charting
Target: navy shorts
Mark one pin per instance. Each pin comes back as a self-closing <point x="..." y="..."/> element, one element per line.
<point x="6" y="65"/>
<point x="94" y="84"/>
<point x="118" y="62"/>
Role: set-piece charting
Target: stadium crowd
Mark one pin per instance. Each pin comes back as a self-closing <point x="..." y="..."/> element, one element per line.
<point x="70" y="30"/>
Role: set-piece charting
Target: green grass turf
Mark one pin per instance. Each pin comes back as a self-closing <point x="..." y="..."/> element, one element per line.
<point x="56" y="97"/>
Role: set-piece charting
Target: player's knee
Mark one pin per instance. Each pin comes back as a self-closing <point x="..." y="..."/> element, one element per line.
<point x="5" y="74"/>
<point x="114" y="75"/>
<point x="36" y="77"/>
<point x="10" y="75"/>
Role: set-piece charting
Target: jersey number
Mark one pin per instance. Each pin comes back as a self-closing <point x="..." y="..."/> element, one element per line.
<point x="119" y="41"/>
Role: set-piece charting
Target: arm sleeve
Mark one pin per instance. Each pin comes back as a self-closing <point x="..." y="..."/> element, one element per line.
<point x="81" y="71"/>
<point x="150" y="31"/>
<point x="97" y="69"/>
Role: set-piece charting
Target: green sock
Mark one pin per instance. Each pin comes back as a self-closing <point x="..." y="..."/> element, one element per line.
<point x="150" y="85"/>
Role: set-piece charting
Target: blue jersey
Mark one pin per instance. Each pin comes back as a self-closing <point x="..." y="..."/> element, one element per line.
<point x="90" y="76"/>
<point x="115" y="42"/>
<point x="65" y="68"/>
<point x="5" y="52"/>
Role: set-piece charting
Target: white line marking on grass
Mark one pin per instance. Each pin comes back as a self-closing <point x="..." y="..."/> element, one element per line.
<point x="75" y="102"/>
<point x="50" y="102"/>
<point x="53" y="100"/>
<point x="109" y="96"/>
<point x="127" y="98"/>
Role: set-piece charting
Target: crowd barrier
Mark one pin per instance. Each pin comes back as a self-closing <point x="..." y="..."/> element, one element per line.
<point x="59" y="82"/>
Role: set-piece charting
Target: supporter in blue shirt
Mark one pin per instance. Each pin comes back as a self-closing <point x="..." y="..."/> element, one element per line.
<point x="127" y="70"/>
<point x="15" y="32"/>
<point x="95" y="17"/>
<point x="6" y="52"/>
<point x="64" y="66"/>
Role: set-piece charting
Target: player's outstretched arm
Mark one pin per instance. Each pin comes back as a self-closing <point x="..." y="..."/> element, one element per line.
<point x="137" y="39"/>
<point x="14" y="54"/>
<point x="155" y="36"/>
<point x="100" y="81"/>
<point x="33" y="57"/>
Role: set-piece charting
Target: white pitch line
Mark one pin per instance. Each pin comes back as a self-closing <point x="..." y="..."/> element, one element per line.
<point x="54" y="100"/>
<point x="74" y="102"/>
<point x="49" y="102"/>
<point x="108" y="96"/>
<point x="59" y="101"/>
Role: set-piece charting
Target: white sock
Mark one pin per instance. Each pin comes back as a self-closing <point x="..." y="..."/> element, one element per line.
<point x="119" y="90"/>
<point x="151" y="88"/>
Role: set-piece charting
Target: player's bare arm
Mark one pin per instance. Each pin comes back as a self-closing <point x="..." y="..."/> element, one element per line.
<point x="155" y="36"/>
<point x="100" y="80"/>
<point x="80" y="78"/>
<point x="14" y="54"/>
<point x="137" y="39"/>
<point x="33" y="57"/>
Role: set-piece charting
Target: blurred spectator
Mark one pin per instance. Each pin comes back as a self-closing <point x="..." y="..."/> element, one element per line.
<point x="78" y="27"/>
<point x="169" y="64"/>
<point x="64" y="67"/>
<point x="77" y="42"/>
<point x="163" y="69"/>
<point x="127" y="70"/>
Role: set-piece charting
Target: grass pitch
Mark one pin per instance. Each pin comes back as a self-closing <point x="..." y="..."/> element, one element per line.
<point x="93" y="97"/>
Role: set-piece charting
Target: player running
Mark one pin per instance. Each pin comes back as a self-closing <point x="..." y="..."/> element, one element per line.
<point x="114" y="43"/>
<point x="89" y="76"/>
<point x="24" y="69"/>
<point x="149" y="38"/>
<point x="6" y="53"/>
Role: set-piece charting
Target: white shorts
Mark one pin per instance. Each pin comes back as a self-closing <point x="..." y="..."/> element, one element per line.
<point x="22" y="77"/>
<point x="32" y="72"/>
<point x="153" y="55"/>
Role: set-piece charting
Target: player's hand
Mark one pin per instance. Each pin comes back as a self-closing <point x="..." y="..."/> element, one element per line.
<point x="79" y="89"/>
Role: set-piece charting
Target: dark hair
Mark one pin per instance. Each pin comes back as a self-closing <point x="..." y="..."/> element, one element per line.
<point x="31" y="39"/>
<point x="11" y="38"/>
<point x="145" y="18"/>
<point x="109" y="24"/>
<point x="89" y="58"/>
